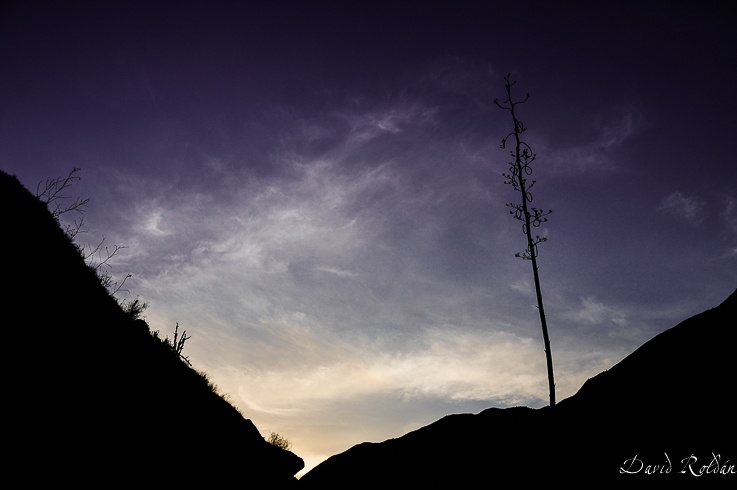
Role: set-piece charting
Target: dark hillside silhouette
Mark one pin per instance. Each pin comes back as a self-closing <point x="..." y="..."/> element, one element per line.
<point x="93" y="399"/>
<point x="670" y="403"/>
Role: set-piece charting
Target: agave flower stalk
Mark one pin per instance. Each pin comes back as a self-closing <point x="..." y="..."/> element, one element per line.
<point x="519" y="177"/>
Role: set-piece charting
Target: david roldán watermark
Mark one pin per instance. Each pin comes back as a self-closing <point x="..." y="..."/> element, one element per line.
<point x="688" y="466"/>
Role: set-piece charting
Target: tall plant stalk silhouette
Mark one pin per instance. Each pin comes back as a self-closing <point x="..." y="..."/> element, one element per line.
<point x="519" y="177"/>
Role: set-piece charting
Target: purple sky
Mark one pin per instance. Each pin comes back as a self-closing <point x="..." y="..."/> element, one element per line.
<point x="313" y="190"/>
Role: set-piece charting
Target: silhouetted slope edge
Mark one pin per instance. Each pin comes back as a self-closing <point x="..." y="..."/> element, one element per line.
<point x="669" y="403"/>
<point x="92" y="397"/>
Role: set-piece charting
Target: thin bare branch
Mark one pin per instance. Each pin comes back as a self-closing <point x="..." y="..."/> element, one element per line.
<point x="52" y="193"/>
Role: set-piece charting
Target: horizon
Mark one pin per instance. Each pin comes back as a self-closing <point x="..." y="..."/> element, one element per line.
<point x="314" y="193"/>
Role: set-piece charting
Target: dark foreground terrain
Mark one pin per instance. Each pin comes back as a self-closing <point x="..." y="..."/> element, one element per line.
<point x="92" y="399"/>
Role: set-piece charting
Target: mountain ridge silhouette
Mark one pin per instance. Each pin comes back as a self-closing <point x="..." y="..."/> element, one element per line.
<point x="94" y="398"/>
<point x="662" y="415"/>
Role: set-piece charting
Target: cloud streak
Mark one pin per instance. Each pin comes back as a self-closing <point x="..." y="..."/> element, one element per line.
<point x="443" y="367"/>
<point x="606" y="134"/>
<point x="688" y="208"/>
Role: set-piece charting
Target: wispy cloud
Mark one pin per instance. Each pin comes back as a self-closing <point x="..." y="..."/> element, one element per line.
<point x="522" y="286"/>
<point x="688" y="208"/>
<point x="618" y="125"/>
<point x="729" y="214"/>
<point x="608" y="132"/>
<point x="443" y="364"/>
<point x="595" y="313"/>
<point x="352" y="236"/>
<point x="366" y="383"/>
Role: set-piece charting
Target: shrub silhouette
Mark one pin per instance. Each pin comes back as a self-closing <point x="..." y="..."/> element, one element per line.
<point x="134" y="308"/>
<point x="177" y="343"/>
<point x="279" y="441"/>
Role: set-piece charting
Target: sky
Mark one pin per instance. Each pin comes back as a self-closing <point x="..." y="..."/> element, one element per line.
<point x="313" y="190"/>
